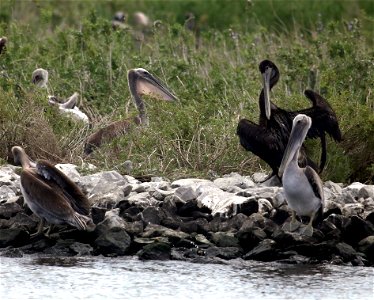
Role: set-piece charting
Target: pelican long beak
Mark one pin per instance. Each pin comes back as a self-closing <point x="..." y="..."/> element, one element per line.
<point x="266" y="86"/>
<point x="147" y="84"/>
<point x="300" y="127"/>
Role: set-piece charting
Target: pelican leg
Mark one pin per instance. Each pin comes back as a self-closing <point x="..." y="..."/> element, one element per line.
<point x="49" y="230"/>
<point x="308" y="230"/>
<point x="293" y="225"/>
<point x="40" y="229"/>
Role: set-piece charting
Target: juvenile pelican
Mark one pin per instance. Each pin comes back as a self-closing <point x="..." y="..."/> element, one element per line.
<point x="302" y="186"/>
<point x="69" y="107"/>
<point x="51" y="195"/>
<point x="140" y="82"/>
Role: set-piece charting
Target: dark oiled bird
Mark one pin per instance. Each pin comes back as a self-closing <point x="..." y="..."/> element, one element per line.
<point x="141" y="82"/>
<point x="268" y="139"/>
<point x="302" y="186"/>
<point x="51" y="195"/>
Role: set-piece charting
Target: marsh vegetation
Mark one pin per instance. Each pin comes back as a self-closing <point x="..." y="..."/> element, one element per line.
<point x="326" y="46"/>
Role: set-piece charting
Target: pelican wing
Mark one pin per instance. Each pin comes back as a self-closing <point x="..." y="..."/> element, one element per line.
<point x="262" y="142"/>
<point x="69" y="189"/>
<point x="47" y="199"/>
<point x="315" y="183"/>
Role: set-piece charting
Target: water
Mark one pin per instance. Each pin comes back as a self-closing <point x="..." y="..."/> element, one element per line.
<point x="128" y="278"/>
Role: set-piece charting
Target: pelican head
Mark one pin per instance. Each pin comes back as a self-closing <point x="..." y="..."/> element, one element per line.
<point x="300" y="126"/>
<point x="270" y="76"/>
<point x="40" y="77"/>
<point x="20" y="157"/>
<point x="142" y="82"/>
<point x="119" y="17"/>
<point x="141" y="19"/>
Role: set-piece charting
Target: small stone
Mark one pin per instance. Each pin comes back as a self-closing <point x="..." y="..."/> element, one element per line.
<point x="345" y="251"/>
<point x="9" y="209"/>
<point x="223" y="239"/>
<point x="186" y="193"/>
<point x="366" y="192"/>
<point x="352" y="209"/>
<point x="356" y="229"/>
<point x="223" y="252"/>
<point x="155" y="251"/>
<point x="115" y="241"/>
<point x="366" y="246"/>
<point x="13" y="237"/>
<point x="264" y="251"/>
<point x="81" y="249"/>
<point x="152" y="215"/>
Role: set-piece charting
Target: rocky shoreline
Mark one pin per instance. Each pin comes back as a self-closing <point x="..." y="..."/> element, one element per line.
<point x="195" y="220"/>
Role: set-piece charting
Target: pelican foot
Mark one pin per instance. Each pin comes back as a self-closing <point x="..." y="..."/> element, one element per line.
<point x="308" y="231"/>
<point x="291" y="226"/>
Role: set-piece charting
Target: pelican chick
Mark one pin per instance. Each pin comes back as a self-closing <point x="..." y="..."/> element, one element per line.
<point x="140" y="82"/>
<point x="69" y="107"/>
<point x="302" y="186"/>
<point x="51" y="195"/>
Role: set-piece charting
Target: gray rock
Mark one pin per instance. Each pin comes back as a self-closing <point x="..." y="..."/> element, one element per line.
<point x="7" y="192"/>
<point x="81" y="249"/>
<point x="143" y="200"/>
<point x="333" y="187"/>
<point x="366" y="246"/>
<point x="9" y="209"/>
<point x="152" y="215"/>
<point x="233" y="180"/>
<point x="366" y="192"/>
<point x="113" y="242"/>
<point x="70" y="171"/>
<point x="279" y="199"/>
<point x="264" y="251"/>
<point x="352" y="209"/>
<point x="189" y="181"/>
<point x="223" y="252"/>
<point x="153" y="230"/>
<point x="186" y="193"/>
<point x="13" y="237"/>
<point x="155" y="251"/>
<point x="224" y="239"/>
<point x="345" y="251"/>
<point x="104" y="189"/>
<point x="202" y="240"/>
<point x="112" y="220"/>
<point x="354" y="188"/>
<point x="159" y="194"/>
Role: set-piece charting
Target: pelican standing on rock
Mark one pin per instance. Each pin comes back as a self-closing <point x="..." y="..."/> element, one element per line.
<point x="51" y="195"/>
<point x="69" y="107"/>
<point x="140" y="82"/>
<point x="302" y="186"/>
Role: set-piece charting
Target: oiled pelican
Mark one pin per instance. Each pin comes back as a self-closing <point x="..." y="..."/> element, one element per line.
<point x="69" y="107"/>
<point x="269" y="138"/>
<point x="51" y="195"/>
<point x="302" y="186"/>
<point x="323" y="116"/>
<point x="140" y="82"/>
<point x="3" y="42"/>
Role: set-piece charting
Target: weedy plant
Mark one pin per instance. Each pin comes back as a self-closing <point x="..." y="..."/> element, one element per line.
<point x="214" y="74"/>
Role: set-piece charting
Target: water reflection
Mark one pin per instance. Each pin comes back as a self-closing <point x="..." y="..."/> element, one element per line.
<point x="129" y="278"/>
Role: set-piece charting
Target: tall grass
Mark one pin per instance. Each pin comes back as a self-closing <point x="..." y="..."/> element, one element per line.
<point x="327" y="48"/>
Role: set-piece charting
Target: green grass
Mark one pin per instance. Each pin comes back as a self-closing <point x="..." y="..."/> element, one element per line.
<point x="217" y="82"/>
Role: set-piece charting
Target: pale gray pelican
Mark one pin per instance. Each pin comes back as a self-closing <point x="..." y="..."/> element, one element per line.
<point x="141" y="20"/>
<point x="69" y="107"/>
<point x="140" y="82"/>
<point x="3" y="41"/>
<point x="51" y="195"/>
<point x="118" y="21"/>
<point x="302" y="186"/>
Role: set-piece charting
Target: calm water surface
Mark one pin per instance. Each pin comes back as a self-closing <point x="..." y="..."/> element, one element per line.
<point x="129" y="278"/>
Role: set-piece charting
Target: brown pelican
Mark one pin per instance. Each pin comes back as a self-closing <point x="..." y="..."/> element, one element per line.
<point x="140" y="82"/>
<point x="141" y="20"/>
<point x="302" y="186"/>
<point x="40" y="78"/>
<point x="118" y="21"/>
<point x="268" y="139"/>
<point x="3" y="42"/>
<point x="323" y="116"/>
<point x="51" y="195"/>
<point x="69" y="107"/>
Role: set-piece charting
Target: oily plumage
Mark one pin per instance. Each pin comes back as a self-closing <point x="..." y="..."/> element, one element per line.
<point x="271" y="135"/>
<point x="141" y="82"/>
<point x="51" y="195"/>
<point x="268" y="139"/>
